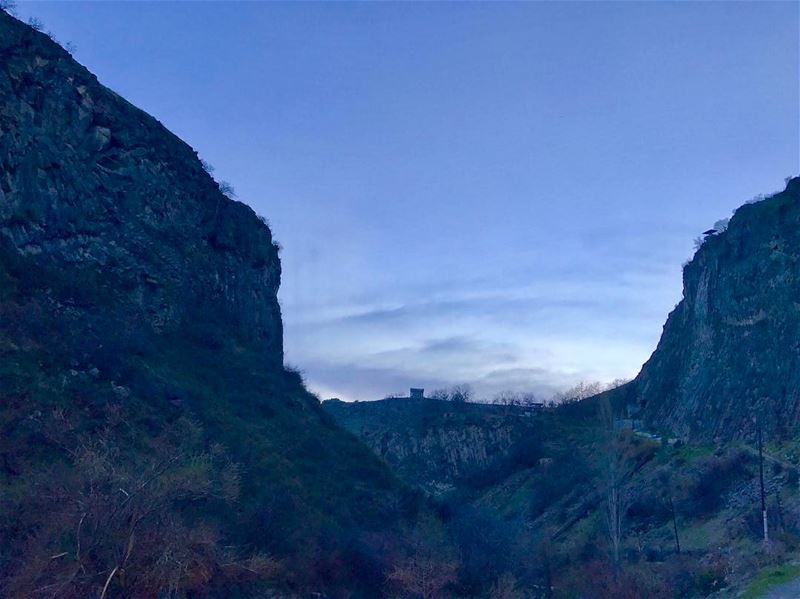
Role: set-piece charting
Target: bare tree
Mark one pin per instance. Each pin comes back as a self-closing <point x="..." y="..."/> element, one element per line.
<point x="507" y="398"/>
<point x="430" y="566"/>
<point x="207" y="167"/>
<point x="617" y="383"/>
<point x="665" y="479"/>
<point x="227" y="189"/>
<point x="457" y="393"/>
<point x="614" y="466"/>
<point x="544" y="550"/>
<point x="110" y="523"/>
<point x="424" y="574"/>
<point x="461" y="393"/>
<point x="36" y="23"/>
<point x="440" y="394"/>
<point x="582" y="390"/>
<point x="516" y="398"/>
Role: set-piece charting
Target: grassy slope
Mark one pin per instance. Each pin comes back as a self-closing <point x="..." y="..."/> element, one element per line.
<point x="310" y="491"/>
<point x="77" y="341"/>
<point x="559" y="506"/>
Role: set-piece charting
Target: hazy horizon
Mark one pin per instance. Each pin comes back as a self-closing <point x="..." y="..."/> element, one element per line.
<point x="494" y="194"/>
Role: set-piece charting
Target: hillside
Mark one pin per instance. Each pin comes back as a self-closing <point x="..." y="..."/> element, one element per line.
<point x="150" y="437"/>
<point x="730" y="351"/>
<point x="689" y="513"/>
<point x="153" y="444"/>
<point x="689" y="522"/>
<point x="438" y="445"/>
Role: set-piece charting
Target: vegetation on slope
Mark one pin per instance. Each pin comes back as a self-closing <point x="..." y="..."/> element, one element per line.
<point x="688" y="515"/>
<point x="150" y="439"/>
<point x="308" y="495"/>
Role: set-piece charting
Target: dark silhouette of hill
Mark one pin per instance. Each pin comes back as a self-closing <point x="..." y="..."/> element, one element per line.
<point x="147" y="424"/>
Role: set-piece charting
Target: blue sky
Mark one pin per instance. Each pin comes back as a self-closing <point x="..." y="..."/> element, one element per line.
<point x="493" y="193"/>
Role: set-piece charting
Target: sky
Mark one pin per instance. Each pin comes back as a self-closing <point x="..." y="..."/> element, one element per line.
<point x="499" y="194"/>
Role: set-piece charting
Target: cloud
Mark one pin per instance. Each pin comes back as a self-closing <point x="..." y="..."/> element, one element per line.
<point x="541" y="327"/>
<point x="351" y="381"/>
<point x="543" y="383"/>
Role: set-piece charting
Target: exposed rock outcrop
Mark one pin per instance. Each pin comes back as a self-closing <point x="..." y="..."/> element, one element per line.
<point x="135" y="296"/>
<point x="89" y="181"/>
<point x="730" y="351"/>
<point x="434" y="444"/>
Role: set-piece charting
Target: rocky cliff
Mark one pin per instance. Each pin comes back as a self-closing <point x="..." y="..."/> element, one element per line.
<point x="88" y="181"/>
<point x="437" y="445"/>
<point x="141" y="350"/>
<point x="730" y="351"/>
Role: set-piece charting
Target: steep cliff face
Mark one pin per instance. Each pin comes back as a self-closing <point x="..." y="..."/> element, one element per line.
<point x="88" y="181"/>
<point x="437" y="445"/>
<point x="730" y="351"/>
<point x="137" y="300"/>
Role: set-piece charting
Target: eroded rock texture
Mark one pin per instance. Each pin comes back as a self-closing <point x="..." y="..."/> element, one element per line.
<point x="135" y="296"/>
<point x="89" y="181"/>
<point x="730" y="351"/>
<point x="437" y="445"/>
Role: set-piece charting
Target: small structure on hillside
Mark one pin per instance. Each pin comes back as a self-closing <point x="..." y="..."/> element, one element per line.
<point x="414" y="393"/>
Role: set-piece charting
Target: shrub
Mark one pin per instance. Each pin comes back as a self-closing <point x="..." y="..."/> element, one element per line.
<point x="35" y="23"/>
<point x="98" y="520"/>
<point x="597" y="580"/>
<point x="713" y="478"/>
<point x="430" y="566"/>
<point x="226" y="189"/>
